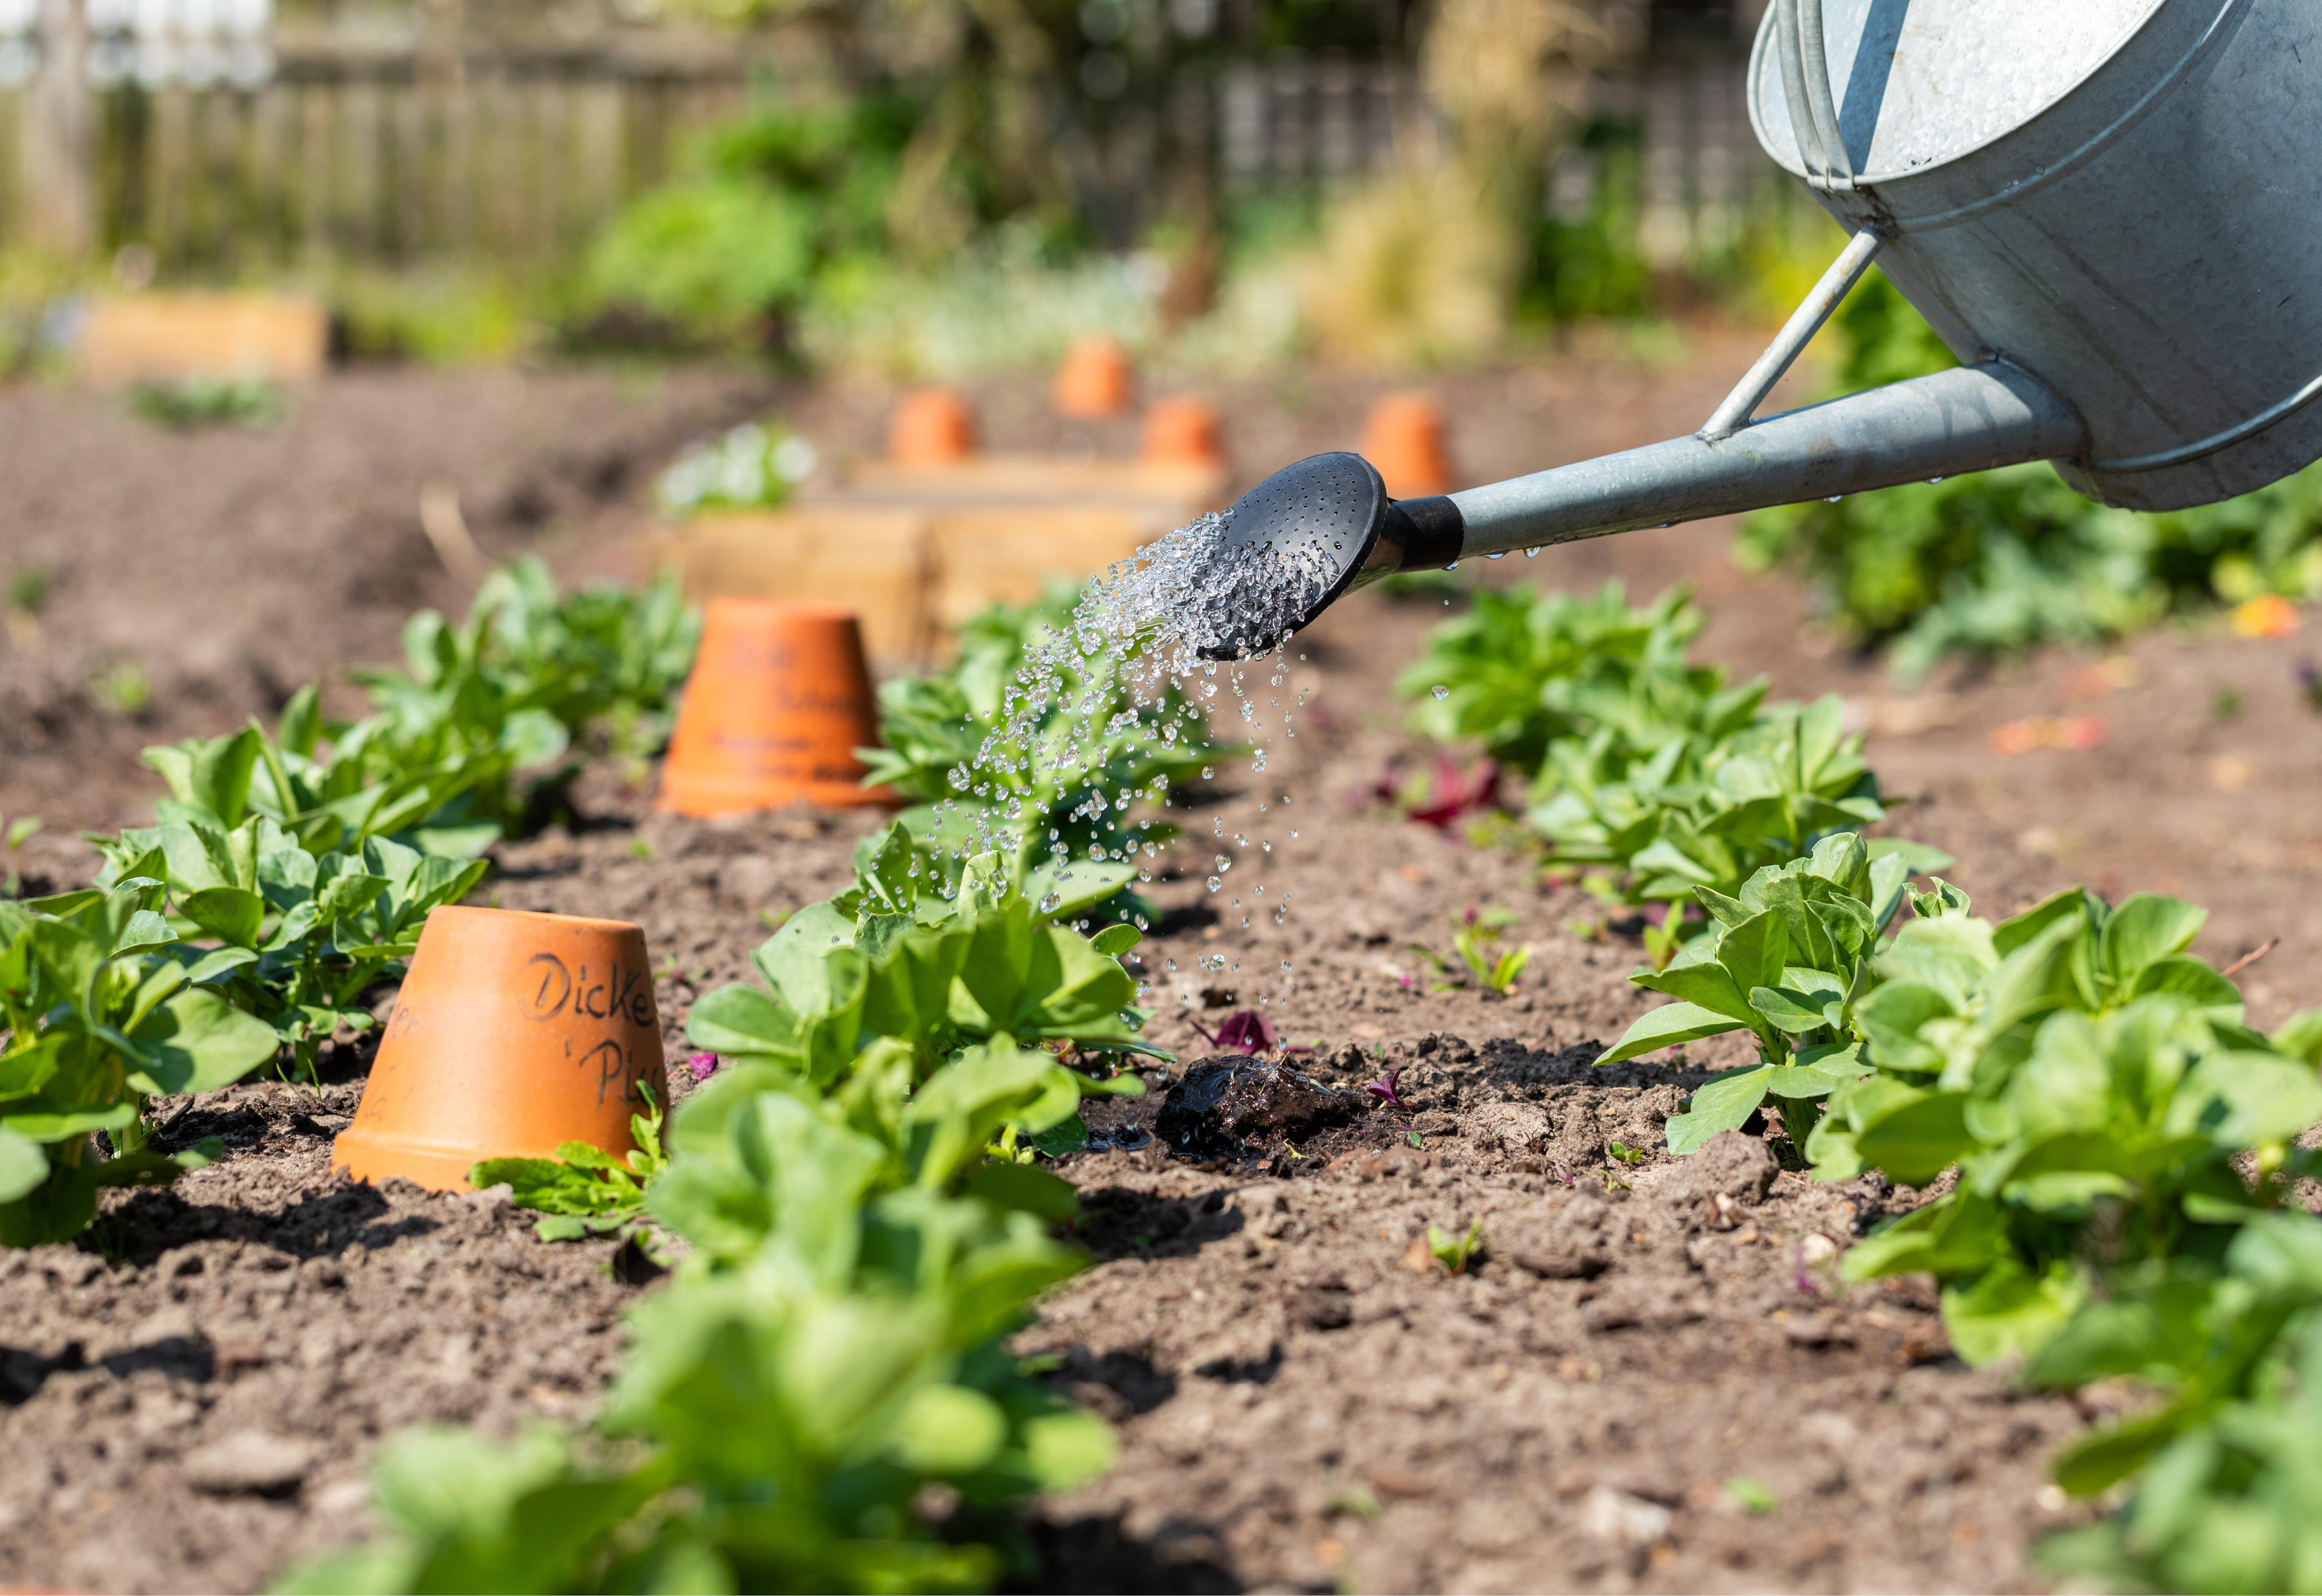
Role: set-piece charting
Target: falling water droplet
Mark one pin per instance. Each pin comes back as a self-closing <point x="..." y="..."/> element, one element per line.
<point x="1442" y="692"/>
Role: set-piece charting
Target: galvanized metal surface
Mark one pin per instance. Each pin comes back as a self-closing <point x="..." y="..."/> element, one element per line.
<point x="2111" y="210"/>
<point x="1971" y="419"/>
<point x="2122" y="196"/>
<point x="1917" y="83"/>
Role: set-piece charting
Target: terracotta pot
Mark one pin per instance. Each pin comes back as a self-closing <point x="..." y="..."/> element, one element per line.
<point x="1095" y="379"/>
<point x="1181" y="430"/>
<point x="513" y="1034"/>
<point x="1403" y="438"/>
<point x="933" y="426"/>
<point x="779" y="701"/>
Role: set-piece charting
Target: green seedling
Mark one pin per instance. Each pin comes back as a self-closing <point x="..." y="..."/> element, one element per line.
<point x="1472" y="942"/>
<point x="96" y="1016"/>
<point x="122" y="689"/>
<point x="2225" y="704"/>
<point x="755" y="465"/>
<point x="1662" y="941"/>
<point x="2081" y="1069"/>
<point x="1750" y="1496"/>
<point x="13" y="838"/>
<point x="584" y="1191"/>
<point x="29" y="587"/>
<point x="1631" y="1156"/>
<point x="1650" y="776"/>
<point x="1045" y="781"/>
<point x="1456" y="1253"/>
<point x="291" y="938"/>
<point x="208" y="401"/>
<point x="1789" y="960"/>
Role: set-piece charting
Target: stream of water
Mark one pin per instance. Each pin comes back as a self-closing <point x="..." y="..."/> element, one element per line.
<point x="1152" y="624"/>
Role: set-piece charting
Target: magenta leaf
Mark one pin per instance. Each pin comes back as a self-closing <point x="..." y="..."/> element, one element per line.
<point x="1245" y="1030"/>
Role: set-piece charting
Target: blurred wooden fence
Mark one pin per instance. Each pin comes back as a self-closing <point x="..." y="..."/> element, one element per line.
<point x="286" y="145"/>
<point x="340" y="148"/>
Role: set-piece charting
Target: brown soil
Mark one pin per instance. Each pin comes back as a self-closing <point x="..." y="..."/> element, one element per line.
<point x="190" y="1395"/>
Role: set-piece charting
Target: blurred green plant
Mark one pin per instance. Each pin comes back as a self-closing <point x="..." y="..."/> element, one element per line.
<point x="192" y="402"/>
<point x="732" y="249"/>
<point x="2001" y="561"/>
<point x="122" y="689"/>
<point x="1589" y="263"/>
<point x="754" y="465"/>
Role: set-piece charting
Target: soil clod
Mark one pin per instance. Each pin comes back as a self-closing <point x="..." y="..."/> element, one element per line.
<point x="1222" y="1106"/>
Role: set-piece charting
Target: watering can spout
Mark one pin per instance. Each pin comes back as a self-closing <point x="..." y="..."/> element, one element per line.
<point x="2103" y="207"/>
<point x="1332" y="507"/>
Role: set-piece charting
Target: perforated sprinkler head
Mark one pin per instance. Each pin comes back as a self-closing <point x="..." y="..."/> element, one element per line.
<point x="1311" y="532"/>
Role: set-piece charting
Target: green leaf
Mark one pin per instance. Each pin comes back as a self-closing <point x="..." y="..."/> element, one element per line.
<point x="2144" y="929"/>
<point x="1792" y="1012"/>
<point x="1724" y="1103"/>
<point x="2099" y="1459"/>
<point x="2016" y="930"/>
<point x="1666" y="1026"/>
<point x="2009" y="1311"/>
<point x="1068" y="1447"/>
<point x="210" y="966"/>
<point x="22" y="1164"/>
<point x="1020" y="1186"/>
<point x="231" y="914"/>
<point x="948" y="1429"/>
<point x="1918" y="1140"/>
<point x="1755" y="951"/>
<point x="744" y="1022"/>
<point x="200" y="1042"/>
<point x="1709" y="986"/>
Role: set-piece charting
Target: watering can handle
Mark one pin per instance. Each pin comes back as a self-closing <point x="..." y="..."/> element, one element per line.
<point x="1805" y="81"/>
<point x="1805" y="85"/>
<point x="1734" y="413"/>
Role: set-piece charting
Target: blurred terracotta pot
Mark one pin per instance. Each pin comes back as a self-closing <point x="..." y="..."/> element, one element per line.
<point x="1403" y="438"/>
<point x="933" y="426"/>
<point x="514" y="1034"/>
<point x="1095" y="379"/>
<point x="779" y="700"/>
<point x="1181" y="430"/>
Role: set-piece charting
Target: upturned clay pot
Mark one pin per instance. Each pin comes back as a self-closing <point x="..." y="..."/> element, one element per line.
<point x="779" y="700"/>
<point x="1095" y="379"/>
<point x="933" y="426"/>
<point x="1403" y="438"/>
<point x="1182" y="431"/>
<point x="514" y="1034"/>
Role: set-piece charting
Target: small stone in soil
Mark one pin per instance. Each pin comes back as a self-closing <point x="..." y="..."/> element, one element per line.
<point x="249" y="1463"/>
<point x="1220" y="1103"/>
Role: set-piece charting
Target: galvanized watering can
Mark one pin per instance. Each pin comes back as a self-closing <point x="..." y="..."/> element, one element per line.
<point x="2110" y="210"/>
